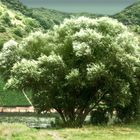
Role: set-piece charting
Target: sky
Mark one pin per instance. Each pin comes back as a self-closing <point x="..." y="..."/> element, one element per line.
<point x="106" y="7"/>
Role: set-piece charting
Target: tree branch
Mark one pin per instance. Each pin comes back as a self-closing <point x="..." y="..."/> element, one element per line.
<point x="97" y="102"/>
<point x="27" y="97"/>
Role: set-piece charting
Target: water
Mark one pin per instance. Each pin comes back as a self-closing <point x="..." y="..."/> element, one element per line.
<point x="106" y="7"/>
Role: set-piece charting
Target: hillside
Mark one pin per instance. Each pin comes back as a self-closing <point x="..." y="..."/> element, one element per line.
<point x="130" y="16"/>
<point x="14" y="24"/>
<point x="48" y="18"/>
<point x="17" y="6"/>
<point x="45" y="17"/>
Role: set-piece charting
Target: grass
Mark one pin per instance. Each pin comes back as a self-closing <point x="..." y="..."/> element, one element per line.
<point x="102" y="133"/>
<point x="22" y="132"/>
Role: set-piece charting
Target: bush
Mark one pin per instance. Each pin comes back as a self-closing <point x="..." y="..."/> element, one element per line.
<point x="6" y="19"/>
<point x="18" y="17"/>
<point x="19" y="32"/>
<point x="2" y="29"/>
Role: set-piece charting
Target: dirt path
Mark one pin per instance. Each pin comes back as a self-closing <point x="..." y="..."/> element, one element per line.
<point x="55" y="136"/>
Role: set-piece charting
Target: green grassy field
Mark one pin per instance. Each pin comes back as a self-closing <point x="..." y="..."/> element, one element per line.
<point x="21" y="132"/>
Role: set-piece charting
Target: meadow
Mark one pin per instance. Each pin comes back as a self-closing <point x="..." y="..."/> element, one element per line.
<point x="22" y="132"/>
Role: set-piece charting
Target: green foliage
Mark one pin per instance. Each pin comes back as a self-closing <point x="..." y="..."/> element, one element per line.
<point x="4" y="38"/>
<point x="48" y="18"/>
<point x="135" y="28"/>
<point x="75" y="67"/>
<point x="6" y="19"/>
<point x="99" y="116"/>
<point x="33" y="19"/>
<point x="131" y="112"/>
<point x="18" y="32"/>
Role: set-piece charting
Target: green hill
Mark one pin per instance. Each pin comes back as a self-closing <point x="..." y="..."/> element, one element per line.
<point x="14" y="24"/>
<point x="17" y="6"/>
<point x="48" y="18"/>
<point x="130" y="16"/>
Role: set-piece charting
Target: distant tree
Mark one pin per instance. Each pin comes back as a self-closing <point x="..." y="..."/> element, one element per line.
<point x="75" y="67"/>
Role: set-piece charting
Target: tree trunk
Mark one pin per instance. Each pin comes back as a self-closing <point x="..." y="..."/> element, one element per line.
<point x="75" y="121"/>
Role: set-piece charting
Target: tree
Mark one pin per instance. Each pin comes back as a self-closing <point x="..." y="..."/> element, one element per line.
<point x="75" y="67"/>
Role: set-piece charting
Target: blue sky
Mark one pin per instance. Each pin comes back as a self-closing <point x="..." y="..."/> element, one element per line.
<point x="106" y="7"/>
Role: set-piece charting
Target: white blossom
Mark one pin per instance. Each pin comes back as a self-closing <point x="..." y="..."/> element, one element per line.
<point x="88" y="33"/>
<point x="95" y="69"/>
<point x="73" y="74"/>
<point x="25" y="69"/>
<point x="81" y="49"/>
<point x="53" y="58"/>
<point x="9" y="44"/>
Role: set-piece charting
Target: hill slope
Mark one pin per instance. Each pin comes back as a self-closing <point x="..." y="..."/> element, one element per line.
<point x="14" y="24"/>
<point x="130" y="16"/>
<point x="17" y="6"/>
<point x="48" y="18"/>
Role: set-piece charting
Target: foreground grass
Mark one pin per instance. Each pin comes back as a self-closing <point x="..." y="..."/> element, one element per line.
<point x="103" y="133"/>
<point x="21" y="132"/>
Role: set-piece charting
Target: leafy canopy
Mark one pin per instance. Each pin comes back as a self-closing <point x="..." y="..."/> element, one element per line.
<point x="75" y="67"/>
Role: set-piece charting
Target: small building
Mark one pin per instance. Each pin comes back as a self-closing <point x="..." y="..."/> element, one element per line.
<point x="17" y="109"/>
<point x="12" y="101"/>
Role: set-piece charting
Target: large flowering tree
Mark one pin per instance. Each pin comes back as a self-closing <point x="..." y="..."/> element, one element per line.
<point x="74" y="67"/>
